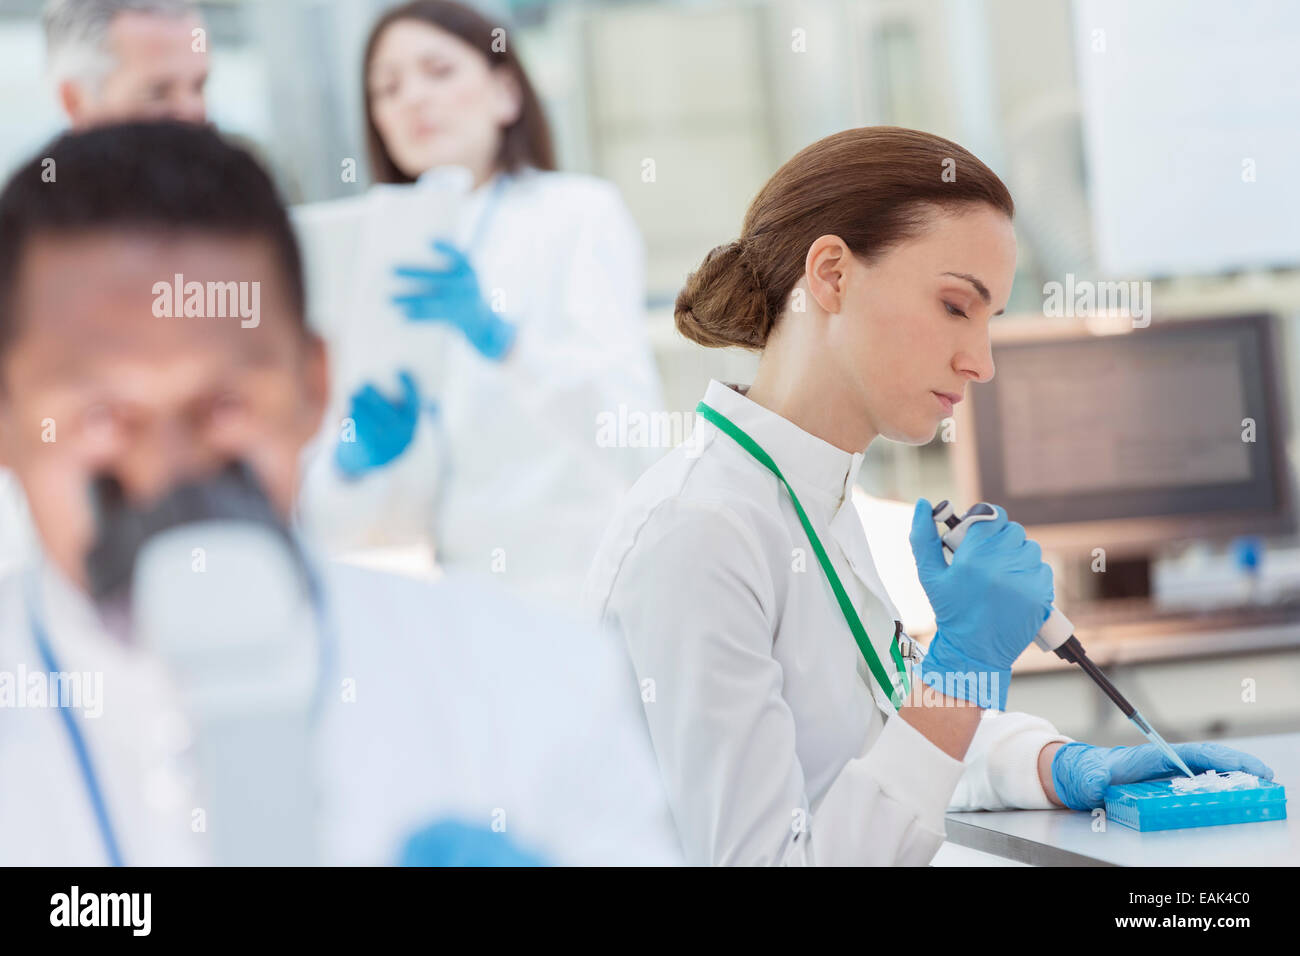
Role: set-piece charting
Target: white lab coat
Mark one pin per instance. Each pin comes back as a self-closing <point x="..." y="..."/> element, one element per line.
<point x="775" y="742"/>
<point x="467" y="704"/>
<point x="509" y="477"/>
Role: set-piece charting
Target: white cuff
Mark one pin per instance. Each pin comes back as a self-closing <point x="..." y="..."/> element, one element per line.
<point x="1013" y="769"/>
<point x="908" y="766"/>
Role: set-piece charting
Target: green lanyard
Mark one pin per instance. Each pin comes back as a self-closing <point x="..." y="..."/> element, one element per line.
<point x="846" y="606"/>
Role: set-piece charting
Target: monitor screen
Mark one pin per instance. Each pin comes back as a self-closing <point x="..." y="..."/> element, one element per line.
<point x="1150" y="424"/>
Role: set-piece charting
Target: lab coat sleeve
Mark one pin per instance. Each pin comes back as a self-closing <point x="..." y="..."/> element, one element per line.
<point x="1002" y="764"/>
<point x="606" y="754"/>
<point x="695" y="602"/>
<point x="589" y="351"/>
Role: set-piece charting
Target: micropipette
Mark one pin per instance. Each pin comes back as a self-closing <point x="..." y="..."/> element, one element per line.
<point x="1057" y="633"/>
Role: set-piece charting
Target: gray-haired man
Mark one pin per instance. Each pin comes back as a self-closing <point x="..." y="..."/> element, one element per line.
<point x="114" y="60"/>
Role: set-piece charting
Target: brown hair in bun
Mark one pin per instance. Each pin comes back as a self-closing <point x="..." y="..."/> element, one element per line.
<point x="874" y="187"/>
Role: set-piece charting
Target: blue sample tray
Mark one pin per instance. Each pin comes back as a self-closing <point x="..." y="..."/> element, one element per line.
<point x="1153" y="805"/>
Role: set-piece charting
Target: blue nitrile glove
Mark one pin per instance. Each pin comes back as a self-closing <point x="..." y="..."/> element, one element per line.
<point x="988" y="604"/>
<point x="1081" y="773"/>
<point x="449" y="843"/>
<point x="452" y="295"/>
<point x="383" y="428"/>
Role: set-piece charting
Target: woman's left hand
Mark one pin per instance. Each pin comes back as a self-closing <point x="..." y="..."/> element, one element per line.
<point x="1081" y="773"/>
<point x="452" y="295"/>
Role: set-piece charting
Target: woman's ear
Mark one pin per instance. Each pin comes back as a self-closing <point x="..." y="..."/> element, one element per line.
<point x="826" y="269"/>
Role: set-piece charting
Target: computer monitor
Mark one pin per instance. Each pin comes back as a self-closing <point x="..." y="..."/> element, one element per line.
<point x="1134" y="440"/>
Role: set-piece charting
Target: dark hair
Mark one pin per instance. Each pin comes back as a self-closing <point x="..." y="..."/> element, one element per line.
<point x="874" y="187"/>
<point x="169" y="176"/>
<point x="526" y="142"/>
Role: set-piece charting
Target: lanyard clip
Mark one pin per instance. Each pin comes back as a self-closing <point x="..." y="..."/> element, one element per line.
<point x="907" y="646"/>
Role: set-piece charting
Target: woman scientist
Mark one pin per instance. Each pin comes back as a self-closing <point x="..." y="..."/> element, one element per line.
<point x="544" y="292"/>
<point x="738" y="571"/>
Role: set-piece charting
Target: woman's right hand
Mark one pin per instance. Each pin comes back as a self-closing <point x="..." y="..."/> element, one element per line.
<point x="988" y="604"/>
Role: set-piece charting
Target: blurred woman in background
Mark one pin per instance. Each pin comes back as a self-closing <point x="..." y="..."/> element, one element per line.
<point x="544" y="290"/>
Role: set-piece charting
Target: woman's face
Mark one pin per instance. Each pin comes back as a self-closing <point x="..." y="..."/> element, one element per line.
<point x="914" y="324"/>
<point x="436" y="101"/>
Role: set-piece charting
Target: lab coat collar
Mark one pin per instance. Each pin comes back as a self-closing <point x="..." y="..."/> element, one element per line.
<point x="476" y="201"/>
<point x="454" y="178"/>
<point x="72" y="625"/>
<point x="809" y="462"/>
<point x="458" y="179"/>
<point x="64" y="605"/>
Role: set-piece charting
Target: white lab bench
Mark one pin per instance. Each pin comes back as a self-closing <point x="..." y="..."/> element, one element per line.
<point x="1067" y="838"/>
